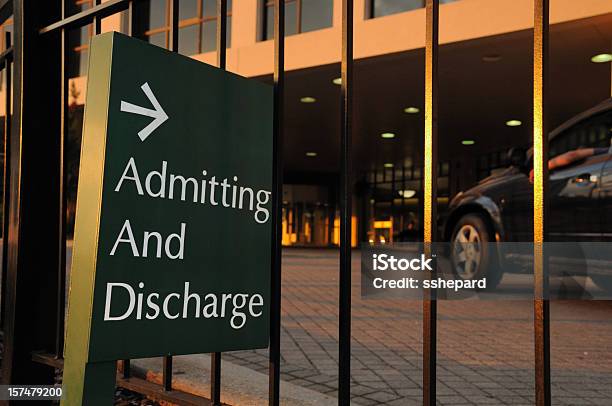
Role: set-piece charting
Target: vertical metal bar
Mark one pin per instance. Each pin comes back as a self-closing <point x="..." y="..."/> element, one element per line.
<point x="130" y="19"/>
<point x="403" y="187"/>
<point x="33" y="234"/>
<point x="215" y="360"/>
<point x="392" y="208"/>
<point x="97" y="22"/>
<point x="540" y="202"/>
<point x="174" y="25"/>
<point x="277" y="204"/>
<point x="61" y="271"/>
<point x="430" y="182"/>
<point x="200" y="29"/>
<point x="298" y="12"/>
<point x="5" y="179"/>
<point x="221" y="33"/>
<point x="167" y="373"/>
<point x="346" y="105"/>
<point x="127" y="369"/>
<point x="173" y="43"/>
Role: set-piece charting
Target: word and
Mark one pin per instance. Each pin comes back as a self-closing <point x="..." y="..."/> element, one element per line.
<point x="127" y="236"/>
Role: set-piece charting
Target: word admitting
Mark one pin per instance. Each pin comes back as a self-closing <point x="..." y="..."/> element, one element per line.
<point x="160" y="184"/>
<point x="174" y="305"/>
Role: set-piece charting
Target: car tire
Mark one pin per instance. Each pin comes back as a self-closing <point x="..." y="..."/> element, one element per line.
<point x="472" y="251"/>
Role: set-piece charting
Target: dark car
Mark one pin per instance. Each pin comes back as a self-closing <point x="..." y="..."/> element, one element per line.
<point x="500" y="207"/>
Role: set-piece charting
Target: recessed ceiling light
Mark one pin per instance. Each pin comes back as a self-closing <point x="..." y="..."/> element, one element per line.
<point x="337" y="81"/>
<point x="468" y="142"/>
<point x="411" y="110"/>
<point x="407" y="194"/>
<point x="308" y="99"/>
<point x="387" y="135"/>
<point x="513" y="123"/>
<point x="601" y="58"/>
<point x="311" y="154"/>
<point x="388" y="165"/>
<point x="492" y="58"/>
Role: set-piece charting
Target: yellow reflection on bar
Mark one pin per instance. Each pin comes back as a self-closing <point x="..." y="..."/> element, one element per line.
<point x="430" y="141"/>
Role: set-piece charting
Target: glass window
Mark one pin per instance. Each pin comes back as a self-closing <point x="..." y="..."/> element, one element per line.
<point x="209" y="36"/>
<point x="316" y="14"/>
<point x="593" y="132"/>
<point x="300" y="16"/>
<point x="385" y="7"/>
<point x="158" y="14"/>
<point x="197" y="24"/>
<point x="380" y="8"/>
<point x="189" y="9"/>
<point x="188" y="40"/>
<point x="291" y="18"/>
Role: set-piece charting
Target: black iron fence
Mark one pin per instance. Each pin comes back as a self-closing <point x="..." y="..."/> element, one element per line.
<point x="34" y="198"/>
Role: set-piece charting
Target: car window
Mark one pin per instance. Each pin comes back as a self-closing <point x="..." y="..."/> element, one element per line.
<point x="594" y="132"/>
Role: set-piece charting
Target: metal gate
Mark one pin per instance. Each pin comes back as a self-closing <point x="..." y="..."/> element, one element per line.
<point x="34" y="198"/>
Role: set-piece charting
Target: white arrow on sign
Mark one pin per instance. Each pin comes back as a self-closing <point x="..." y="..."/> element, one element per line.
<point x="158" y="114"/>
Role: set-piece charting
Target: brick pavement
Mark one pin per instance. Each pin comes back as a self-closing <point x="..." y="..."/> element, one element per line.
<point x="485" y="349"/>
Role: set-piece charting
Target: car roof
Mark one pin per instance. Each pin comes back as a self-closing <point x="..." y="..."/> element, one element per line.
<point x="602" y="107"/>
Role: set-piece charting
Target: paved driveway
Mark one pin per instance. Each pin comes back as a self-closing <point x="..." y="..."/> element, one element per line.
<point x="485" y="351"/>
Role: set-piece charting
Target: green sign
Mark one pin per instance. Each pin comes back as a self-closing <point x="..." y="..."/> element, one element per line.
<point x="173" y="226"/>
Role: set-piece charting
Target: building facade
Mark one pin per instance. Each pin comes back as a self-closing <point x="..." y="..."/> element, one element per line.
<point x="485" y="94"/>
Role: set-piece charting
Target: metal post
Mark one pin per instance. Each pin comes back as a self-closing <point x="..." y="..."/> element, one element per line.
<point x="61" y="265"/>
<point x="430" y="182"/>
<point x="127" y="369"/>
<point x="97" y="22"/>
<point x="130" y="19"/>
<point x="33" y="228"/>
<point x="215" y="360"/>
<point x="167" y="374"/>
<point x="5" y="179"/>
<point x="221" y="33"/>
<point x="540" y="203"/>
<point x="277" y="204"/>
<point x="346" y="105"/>
<point x="174" y="25"/>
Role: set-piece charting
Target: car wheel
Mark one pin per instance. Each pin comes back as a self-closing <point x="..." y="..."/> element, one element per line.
<point x="472" y="251"/>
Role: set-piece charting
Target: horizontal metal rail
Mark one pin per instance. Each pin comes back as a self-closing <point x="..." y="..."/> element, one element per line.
<point x="100" y="11"/>
<point x="136" y="384"/>
<point x="154" y="391"/>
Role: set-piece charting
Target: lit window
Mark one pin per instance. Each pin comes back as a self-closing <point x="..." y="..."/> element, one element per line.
<point x="300" y="16"/>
